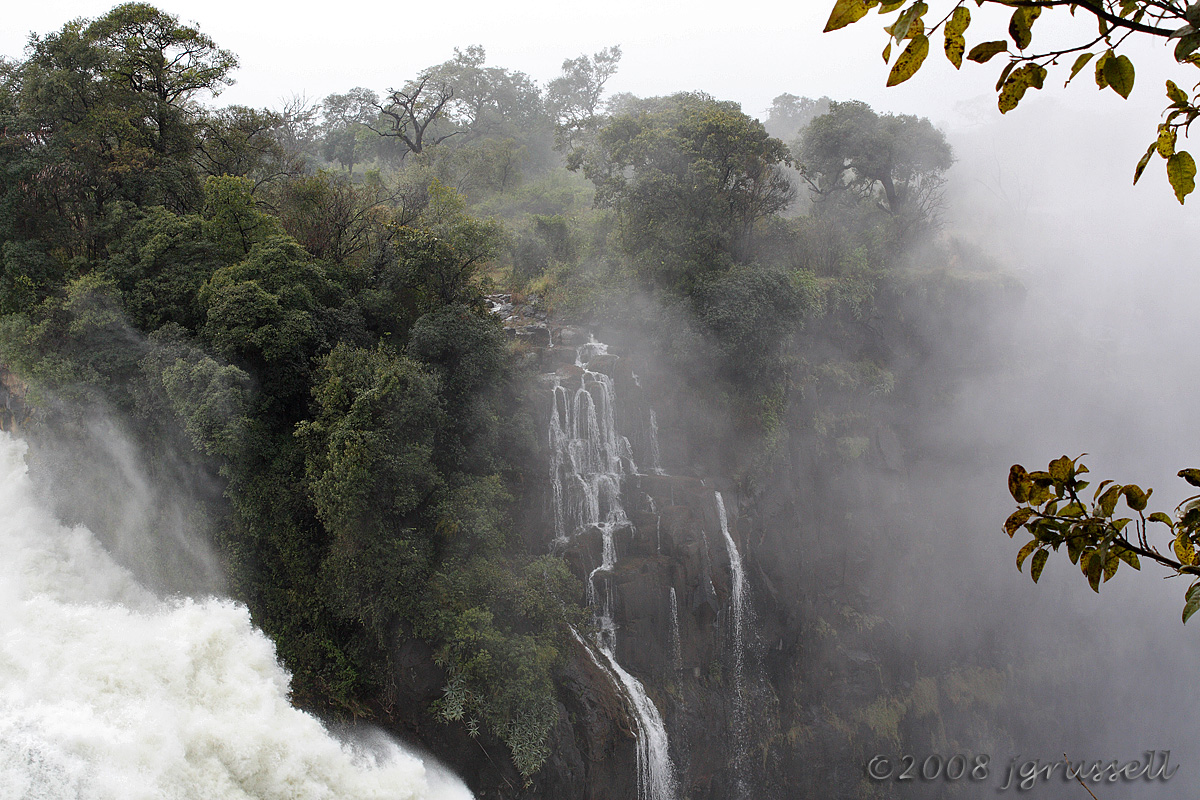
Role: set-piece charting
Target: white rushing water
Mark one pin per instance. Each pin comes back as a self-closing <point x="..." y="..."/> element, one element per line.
<point x="655" y="453"/>
<point x="656" y="772"/>
<point x="587" y="464"/>
<point x="109" y="693"/>
<point x="676" y="640"/>
<point x="739" y="603"/>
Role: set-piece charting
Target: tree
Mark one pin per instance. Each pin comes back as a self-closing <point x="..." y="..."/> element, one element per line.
<point x="689" y="178"/>
<point x="488" y="101"/>
<point x="440" y="260"/>
<point x="346" y="124"/>
<point x="1096" y="539"/>
<point x="1027" y="66"/>
<point x="898" y="160"/>
<point x="789" y="115"/>
<point x="409" y="112"/>
<point x="573" y="98"/>
<point x="245" y="142"/>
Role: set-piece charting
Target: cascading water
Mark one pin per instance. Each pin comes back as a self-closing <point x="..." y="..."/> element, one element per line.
<point x="109" y="693"/>
<point x="676" y="641"/>
<point x="739" y="603"/>
<point x="655" y="453"/>
<point x="588" y="460"/>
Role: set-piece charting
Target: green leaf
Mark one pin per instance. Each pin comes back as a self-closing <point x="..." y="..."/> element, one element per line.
<point x="1095" y="568"/>
<point x="1025" y="551"/>
<point x="908" y="25"/>
<point x="1038" y="495"/>
<point x="1129" y="557"/>
<point x="1072" y="509"/>
<point x="1159" y="516"/>
<point x="1118" y="73"/>
<point x="1192" y="591"/>
<point x="1187" y="45"/>
<point x="1074" y="548"/>
<point x="1079" y="64"/>
<point x="1190" y="608"/>
<point x="1100" y="488"/>
<point x="887" y="52"/>
<point x="983" y="51"/>
<point x="909" y="61"/>
<point x="1021" y="24"/>
<point x="890" y="5"/>
<point x="1105" y="57"/>
<point x="1176" y="95"/>
<point x="1141" y="165"/>
<point x="1111" y="562"/>
<point x="1192" y="476"/>
<point x="1017" y="519"/>
<point x="956" y="44"/>
<point x="1038" y="563"/>
<point x="845" y="12"/>
<point x="1135" y="498"/>
<point x="1030" y="75"/>
<point x="1181" y="172"/>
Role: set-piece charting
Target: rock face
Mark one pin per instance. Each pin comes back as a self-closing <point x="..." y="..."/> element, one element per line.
<point x="668" y="593"/>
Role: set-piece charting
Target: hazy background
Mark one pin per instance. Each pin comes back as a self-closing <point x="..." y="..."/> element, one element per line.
<point x="1102" y="358"/>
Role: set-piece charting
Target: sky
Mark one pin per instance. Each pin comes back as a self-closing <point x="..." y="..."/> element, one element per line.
<point x="749" y="52"/>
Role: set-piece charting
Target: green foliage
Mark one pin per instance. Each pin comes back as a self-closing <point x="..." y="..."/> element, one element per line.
<point x="896" y="161"/>
<point x="210" y="398"/>
<point x="689" y="177"/>
<point x="750" y="312"/>
<point x="159" y="264"/>
<point x="369" y="461"/>
<point x="1028" y="68"/>
<point x="1096" y="539"/>
<point x="441" y="261"/>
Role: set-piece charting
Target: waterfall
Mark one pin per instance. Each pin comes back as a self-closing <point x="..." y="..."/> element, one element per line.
<point x="656" y="773"/>
<point x="739" y="604"/>
<point x="655" y="454"/>
<point x="676" y="641"/>
<point x="108" y="692"/>
<point x="588" y="458"/>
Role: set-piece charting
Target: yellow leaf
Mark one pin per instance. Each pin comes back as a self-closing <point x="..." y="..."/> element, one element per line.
<point x="1025" y="551"/>
<point x="1021" y="24"/>
<point x="1015" y="85"/>
<point x="845" y="12"/>
<point x="1181" y="172"/>
<point x="909" y="61"/>
<point x="1183" y="549"/>
<point x="1079" y="64"/>
<point x="1167" y="136"/>
<point x="1176" y="95"/>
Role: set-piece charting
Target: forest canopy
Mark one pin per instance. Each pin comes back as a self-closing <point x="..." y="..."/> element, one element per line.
<point x="292" y="304"/>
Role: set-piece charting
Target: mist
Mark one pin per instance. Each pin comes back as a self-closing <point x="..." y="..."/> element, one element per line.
<point x="595" y="436"/>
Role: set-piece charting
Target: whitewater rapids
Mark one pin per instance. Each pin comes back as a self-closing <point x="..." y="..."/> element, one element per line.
<point x="109" y="693"/>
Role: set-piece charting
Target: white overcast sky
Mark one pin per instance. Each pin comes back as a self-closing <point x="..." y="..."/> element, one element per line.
<point x="748" y="51"/>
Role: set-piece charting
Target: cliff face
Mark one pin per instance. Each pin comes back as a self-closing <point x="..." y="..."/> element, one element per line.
<point x="668" y="588"/>
<point x="784" y="693"/>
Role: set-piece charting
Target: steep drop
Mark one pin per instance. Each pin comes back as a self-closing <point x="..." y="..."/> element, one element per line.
<point x="109" y="693"/>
